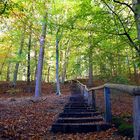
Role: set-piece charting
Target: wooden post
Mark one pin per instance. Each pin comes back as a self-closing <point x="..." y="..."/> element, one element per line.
<point x="93" y="100"/>
<point x="83" y="90"/>
<point x="136" y="117"/>
<point x="85" y="95"/>
<point x="108" y="116"/>
<point x="89" y="98"/>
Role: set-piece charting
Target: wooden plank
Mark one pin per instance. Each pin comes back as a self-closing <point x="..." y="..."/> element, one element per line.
<point x="86" y="95"/>
<point x="108" y="115"/>
<point x="96" y="88"/>
<point x="132" y="90"/>
<point x="93" y="100"/>
<point x="89" y="99"/>
<point x="136" y="117"/>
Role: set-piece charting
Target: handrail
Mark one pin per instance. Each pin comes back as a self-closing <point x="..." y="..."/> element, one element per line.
<point x="96" y="88"/>
<point x="132" y="90"/>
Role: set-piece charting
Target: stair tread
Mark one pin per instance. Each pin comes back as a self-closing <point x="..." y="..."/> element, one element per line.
<point x="86" y="123"/>
<point x="77" y="108"/>
<point x="74" y="118"/>
<point x="79" y="117"/>
<point x="80" y="112"/>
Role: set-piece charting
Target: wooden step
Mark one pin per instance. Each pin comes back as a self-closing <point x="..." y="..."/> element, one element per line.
<point x="80" y="120"/>
<point x="77" y="107"/>
<point x="79" y="127"/>
<point x="78" y="117"/>
<point x="79" y="114"/>
<point x="76" y="99"/>
<point x="78" y="110"/>
<point x="76" y="103"/>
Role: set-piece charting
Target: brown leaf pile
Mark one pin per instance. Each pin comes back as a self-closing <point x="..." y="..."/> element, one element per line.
<point x="26" y="119"/>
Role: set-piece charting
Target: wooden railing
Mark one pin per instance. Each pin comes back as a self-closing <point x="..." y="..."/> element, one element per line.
<point x="89" y="95"/>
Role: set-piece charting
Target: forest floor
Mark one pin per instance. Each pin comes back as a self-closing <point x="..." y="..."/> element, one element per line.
<point x="22" y="117"/>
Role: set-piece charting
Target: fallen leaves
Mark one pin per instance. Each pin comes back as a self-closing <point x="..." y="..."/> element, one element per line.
<point x="29" y="119"/>
<point x="26" y="119"/>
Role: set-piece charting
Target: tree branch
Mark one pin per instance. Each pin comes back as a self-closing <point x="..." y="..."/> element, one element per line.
<point x="126" y="4"/>
<point x="3" y="10"/>
<point x="125" y="32"/>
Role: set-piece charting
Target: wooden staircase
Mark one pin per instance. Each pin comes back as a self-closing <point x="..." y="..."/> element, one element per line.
<point x="78" y="117"/>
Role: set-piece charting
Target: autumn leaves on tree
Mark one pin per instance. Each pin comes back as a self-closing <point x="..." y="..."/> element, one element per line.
<point x="56" y="41"/>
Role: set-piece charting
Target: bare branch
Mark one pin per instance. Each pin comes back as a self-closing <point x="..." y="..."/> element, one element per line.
<point x="126" y="4"/>
<point x="125" y="32"/>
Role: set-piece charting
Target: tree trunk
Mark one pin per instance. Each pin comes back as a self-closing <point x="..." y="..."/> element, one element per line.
<point x="90" y="79"/>
<point x="48" y="75"/>
<point x="128" y="65"/>
<point x="19" y="54"/>
<point x="57" y="69"/>
<point x="136" y="5"/>
<point x="28" y="66"/>
<point x="90" y="82"/>
<point x="8" y="73"/>
<point x="64" y="72"/>
<point x="40" y="59"/>
<point x="65" y="64"/>
<point x="35" y="57"/>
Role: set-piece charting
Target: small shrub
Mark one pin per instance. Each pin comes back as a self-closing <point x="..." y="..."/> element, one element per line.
<point x="117" y="121"/>
<point x="120" y="79"/>
<point x="126" y="129"/>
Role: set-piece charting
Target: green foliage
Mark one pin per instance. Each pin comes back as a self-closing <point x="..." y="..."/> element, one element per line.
<point x="117" y="121"/>
<point x="120" y="79"/>
<point x="124" y="128"/>
<point x="84" y="23"/>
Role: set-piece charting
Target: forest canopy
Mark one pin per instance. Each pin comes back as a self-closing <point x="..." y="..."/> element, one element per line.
<point x="99" y="36"/>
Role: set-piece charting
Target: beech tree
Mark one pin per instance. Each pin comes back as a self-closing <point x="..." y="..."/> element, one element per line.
<point x="40" y="58"/>
<point x="112" y="49"/>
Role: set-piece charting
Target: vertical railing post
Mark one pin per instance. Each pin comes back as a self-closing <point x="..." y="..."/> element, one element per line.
<point x="85" y="95"/>
<point x="88" y="98"/>
<point x="136" y="117"/>
<point x="83" y="90"/>
<point x="93" y="100"/>
<point x="80" y="89"/>
<point x="108" y="115"/>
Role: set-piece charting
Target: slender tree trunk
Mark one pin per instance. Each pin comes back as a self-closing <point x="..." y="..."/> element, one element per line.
<point x="128" y="65"/>
<point x="136" y="7"/>
<point x="19" y="54"/>
<point x="64" y="72"/>
<point x="8" y="73"/>
<point x="65" y="64"/>
<point x="137" y="17"/>
<point x="57" y="69"/>
<point x="28" y="66"/>
<point x="4" y="62"/>
<point x="90" y="79"/>
<point x="40" y="59"/>
<point x="35" y="71"/>
<point x="48" y="75"/>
